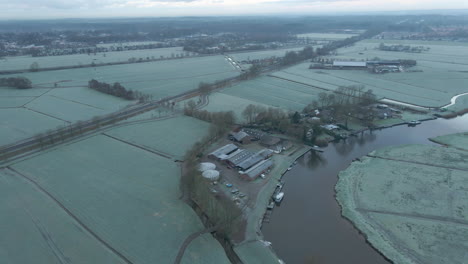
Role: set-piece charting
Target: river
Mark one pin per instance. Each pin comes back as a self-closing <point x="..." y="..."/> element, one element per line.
<point x="308" y="227"/>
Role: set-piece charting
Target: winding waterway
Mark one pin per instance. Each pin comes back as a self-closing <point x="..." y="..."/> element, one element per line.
<point x="307" y="227"/>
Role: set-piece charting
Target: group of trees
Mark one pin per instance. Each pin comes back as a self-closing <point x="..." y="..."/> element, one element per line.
<point x="118" y="90"/>
<point x="224" y="119"/>
<point x="292" y="57"/>
<point x="346" y="102"/>
<point x="16" y="82"/>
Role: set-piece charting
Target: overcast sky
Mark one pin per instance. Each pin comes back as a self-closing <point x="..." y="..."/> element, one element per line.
<point x="31" y="9"/>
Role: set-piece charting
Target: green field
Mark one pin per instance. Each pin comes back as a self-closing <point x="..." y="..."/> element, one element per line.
<point x="224" y="102"/>
<point x="275" y="92"/>
<point x="34" y="229"/>
<point x="159" y="79"/>
<point x="20" y="123"/>
<point x="127" y="196"/>
<point x="172" y="137"/>
<point x="457" y="140"/>
<point x="443" y="73"/>
<point x="325" y="36"/>
<point x="410" y="202"/>
<point x="263" y="54"/>
<point x="25" y="113"/>
<point x="24" y="62"/>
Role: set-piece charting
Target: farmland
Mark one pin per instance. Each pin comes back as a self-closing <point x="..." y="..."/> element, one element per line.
<point x="456" y="141"/>
<point x="159" y="79"/>
<point x="127" y="196"/>
<point x="325" y="36"/>
<point x="72" y="101"/>
<point x="274" y="92"/>
<point x="441" y="73"/>
<point x="35" y="229"/>
<point x="25" y="113"/>
<point x="171" y="137"/>
<point x="24" y="62"/>
<point x="264" y="54"/>
<point x="410" y="201"/>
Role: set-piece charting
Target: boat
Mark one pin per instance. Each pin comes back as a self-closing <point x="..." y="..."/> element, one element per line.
<point x="414" y="123"/>
<point x="279" y="197"/>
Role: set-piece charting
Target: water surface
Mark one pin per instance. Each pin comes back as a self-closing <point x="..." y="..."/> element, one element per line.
<point x="308" y="227"/>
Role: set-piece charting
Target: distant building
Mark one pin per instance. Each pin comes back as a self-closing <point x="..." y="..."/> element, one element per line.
<point x="350" y="64"/>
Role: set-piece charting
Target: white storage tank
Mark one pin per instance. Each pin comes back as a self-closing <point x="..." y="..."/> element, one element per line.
<point x="204" y="166"/>
<point x="211" y="175"/>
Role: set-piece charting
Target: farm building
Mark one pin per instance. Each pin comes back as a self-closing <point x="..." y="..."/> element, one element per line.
<point x="255" y="171"/>
<point x="241" y="137"/>
<point x="223" y="152"/>
<point x="254" y="159"/>
<point x="238" y="156"/>
<point x="269" y="141"/>
<point x="350" y="64"/>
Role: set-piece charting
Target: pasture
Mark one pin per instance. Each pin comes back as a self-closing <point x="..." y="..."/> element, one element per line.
<point x="441" y="73"/>
<point x="159" y="79"/>
<point x="34" y="229"/>
<point x="24" y="62"/>
<point x="128" y="196"/>
<point x="25" y="113"/>
<point x="275" y="92"/>
<point x="172" y="137"/>
<point x="263" y="54"/>
<point x="325" y="36"/>
<point x="410" y="202"/>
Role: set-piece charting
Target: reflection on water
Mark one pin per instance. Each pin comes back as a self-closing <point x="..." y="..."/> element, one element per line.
<point x="308" y="227"/>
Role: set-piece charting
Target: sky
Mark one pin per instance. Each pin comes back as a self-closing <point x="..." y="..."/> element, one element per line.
<point x="36" y="9"/>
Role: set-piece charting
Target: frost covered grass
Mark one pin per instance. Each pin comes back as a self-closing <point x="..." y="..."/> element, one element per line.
<point x="410" y="202"/>
<point x="173" y="136"/>
<point x="275" y="92"/>
<point x="456" y="140"/>
<point x="34" y="229"/>
<point x="442" y="73"/>
<point x="325" y="36"/>
<point x="263" y="54"/>
<point x="20" y="123"/>
<point x="129" y="197"/>
<point x="24" y="62"/>
<point x="159" y="79"/>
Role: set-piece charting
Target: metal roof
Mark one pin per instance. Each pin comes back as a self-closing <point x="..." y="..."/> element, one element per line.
<point x="252" y="160"/>
<point x="350" y="63"/>
<point x="258" y="169"/>
<point x="239" y="157"/>
<point x="223" y="151"/>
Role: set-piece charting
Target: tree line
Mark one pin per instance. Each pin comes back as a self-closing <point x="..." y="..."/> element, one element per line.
<point x="16" y="82"/>
<point x="118" y="90"/>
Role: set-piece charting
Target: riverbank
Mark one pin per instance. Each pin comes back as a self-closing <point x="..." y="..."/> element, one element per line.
<point x="410" y="202"/>
<point x="254" y="249"/>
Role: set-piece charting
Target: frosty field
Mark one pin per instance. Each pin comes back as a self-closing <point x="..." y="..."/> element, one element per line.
<point x="127" y="196"/>
<point x="457" y="140"/>
<point x="20" y="123"/>
<point x="24" y="62"/>
<point x="34" y="229"/>
<point x="224" y="102"/>
<point x="275" y="92"/>
<point x="172" y="137"/>
<point x="325" y="36"/>
<point x="264" y="54"/>
<point x="410" y="202"/>
<point x="24" y="113"/>
<point x="443" y="73"/>
<point x="159" y="79"/>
